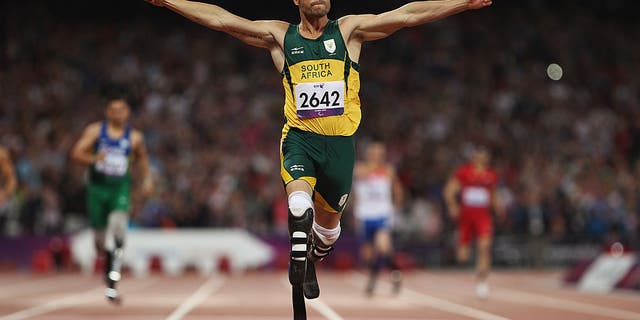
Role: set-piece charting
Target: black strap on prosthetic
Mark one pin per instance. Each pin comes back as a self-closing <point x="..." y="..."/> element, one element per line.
<point x="318" y="253"/>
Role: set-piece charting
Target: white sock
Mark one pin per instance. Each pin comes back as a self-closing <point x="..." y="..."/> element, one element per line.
<point x="299" y="203"/>
<point x="326" y="236"/>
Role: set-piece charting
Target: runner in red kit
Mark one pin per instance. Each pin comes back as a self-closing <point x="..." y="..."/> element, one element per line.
<point x="469" y="196"/>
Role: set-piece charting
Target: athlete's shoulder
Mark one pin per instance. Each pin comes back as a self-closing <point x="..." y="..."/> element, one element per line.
<point x="4" y="153"/>
<point x="136" y="136"/>
<point x="275" y="26"/>
<point x="95" y="124"/>
<point x="463" y="170"/>
<point x="348" y="23"/>
<point x="93" y="128"/>
<point x="351" y="20"/>
<point x="389" y="169"/>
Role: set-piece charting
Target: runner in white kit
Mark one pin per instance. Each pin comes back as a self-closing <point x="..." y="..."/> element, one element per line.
<point x="377" y="195"/>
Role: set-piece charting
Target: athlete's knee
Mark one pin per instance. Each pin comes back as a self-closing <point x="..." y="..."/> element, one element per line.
<point x="484" y="245"/>
<point x="366" y="253"/>
<point x="118" y="221"/>
<point x="463" y="254"/>
<point x="383" y="242"/>
<point x="299" y="203"/>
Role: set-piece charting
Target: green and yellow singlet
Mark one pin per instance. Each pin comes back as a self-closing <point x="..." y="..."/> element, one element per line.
<point x="321" y="84"/>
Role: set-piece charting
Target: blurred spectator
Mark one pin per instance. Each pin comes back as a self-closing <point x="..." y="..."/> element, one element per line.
<point x="211" y="109"/>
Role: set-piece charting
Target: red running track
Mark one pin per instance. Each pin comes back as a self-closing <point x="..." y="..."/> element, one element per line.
<point x="266" y="296"/>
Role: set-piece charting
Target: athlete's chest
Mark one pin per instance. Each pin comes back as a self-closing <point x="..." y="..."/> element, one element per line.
<point x="479" y="178"/>
<point x="326" y="47"/>
<point x="113" y="146"/>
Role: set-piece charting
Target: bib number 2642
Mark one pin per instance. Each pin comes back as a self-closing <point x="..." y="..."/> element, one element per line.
<point x="319" y="99"/>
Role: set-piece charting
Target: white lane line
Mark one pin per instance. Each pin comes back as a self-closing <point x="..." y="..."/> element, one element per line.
<point x="558" y="285"/>
<point x="426" y="300"/>
<point x="562" y="304"/>
<point x="448" y="306"/>
<point x="539" y="299"/>
<point x="62" y="303"/>
<point x="324" y="309"/>
<point x="317" y="304"/>
<point x="68" y="301"/>
<point x="212" y="285"/>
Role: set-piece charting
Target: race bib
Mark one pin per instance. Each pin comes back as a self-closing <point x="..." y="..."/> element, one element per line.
<point x="476" y="197"/>
<point x="113" y="164"/>
<point x="319" y="99"/>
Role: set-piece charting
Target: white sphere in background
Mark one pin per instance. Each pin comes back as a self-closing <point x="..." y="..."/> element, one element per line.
<point x="554" y="71"/>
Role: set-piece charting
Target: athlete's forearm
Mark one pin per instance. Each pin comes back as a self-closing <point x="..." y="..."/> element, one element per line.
<point x="208" y="15"/>
<point x="450" y="203"/>
<point x="398" y="193"/>
<point x="144" y="165"/>
<point x="450" y="191"/>
<point x="147" y="180"/>
<point x="145" y="172"/>
<point x="84" y="158"/>
<point x="421" y="12"/>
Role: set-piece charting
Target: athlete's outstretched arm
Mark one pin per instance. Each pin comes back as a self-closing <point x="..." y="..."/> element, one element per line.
<point x="373" y="27"/>
<point x="255" y="33"/>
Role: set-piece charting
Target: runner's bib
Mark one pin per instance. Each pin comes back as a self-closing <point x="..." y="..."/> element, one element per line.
<point x="113" y="164"/>
<point x="476" y="197"/>
<point x="319" y="99"/>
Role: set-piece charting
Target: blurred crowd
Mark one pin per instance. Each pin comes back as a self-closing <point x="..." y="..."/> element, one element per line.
<point x="211" y="110"/>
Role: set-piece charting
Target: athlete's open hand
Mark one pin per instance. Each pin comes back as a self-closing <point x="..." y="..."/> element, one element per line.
<point x="479" y="4"/>
<point x="159" y="3"/>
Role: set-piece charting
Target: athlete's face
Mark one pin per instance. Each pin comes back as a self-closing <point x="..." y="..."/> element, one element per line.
<point x="376" y="153"/>
<point x="118" y="111"/>
<point x="481" y="157"/>
<point x="314" y="8"/>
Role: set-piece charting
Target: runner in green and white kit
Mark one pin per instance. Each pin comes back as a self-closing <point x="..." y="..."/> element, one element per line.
<point x="109" y="147"/>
